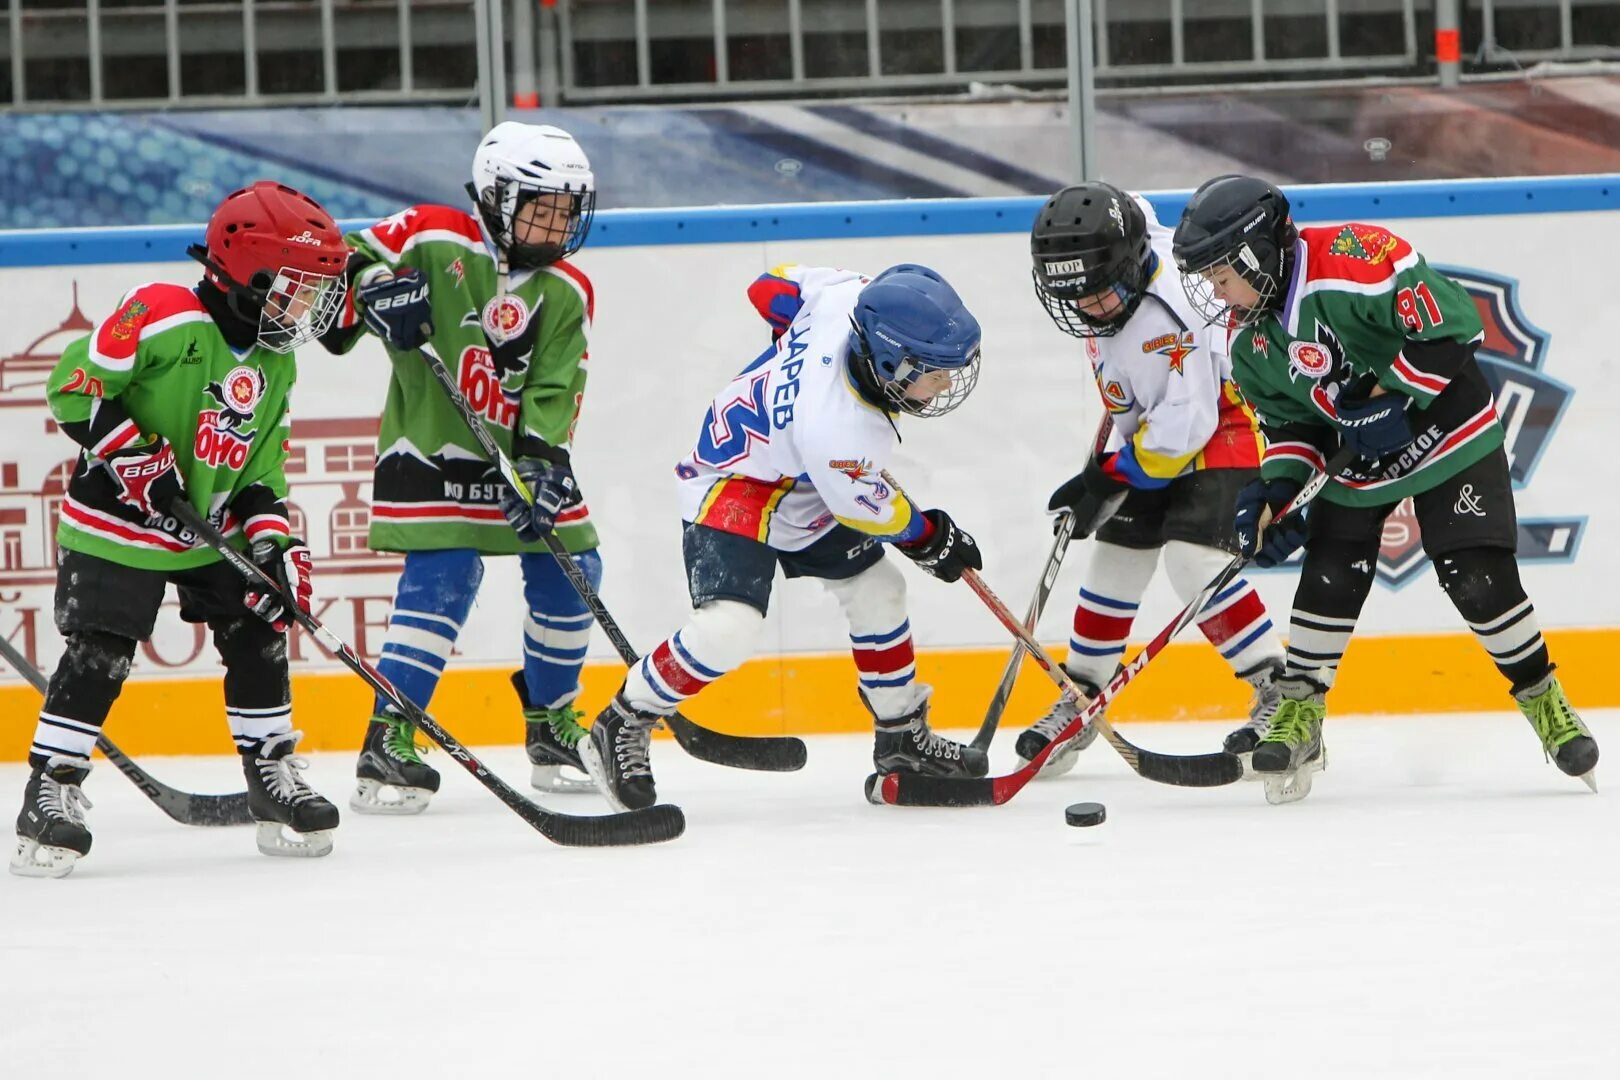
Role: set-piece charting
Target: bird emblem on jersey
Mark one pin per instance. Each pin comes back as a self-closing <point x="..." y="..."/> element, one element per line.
<point x="237" y="395"/>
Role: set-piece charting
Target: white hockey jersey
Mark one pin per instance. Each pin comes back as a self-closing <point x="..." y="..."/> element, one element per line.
<point x="789" y="448"/>
<point x="1166" y="379"/>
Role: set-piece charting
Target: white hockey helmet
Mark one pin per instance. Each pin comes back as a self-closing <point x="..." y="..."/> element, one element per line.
<point x="516" y="163"/>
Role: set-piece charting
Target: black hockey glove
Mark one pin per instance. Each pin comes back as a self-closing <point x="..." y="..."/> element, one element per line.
<point x="1092" y="497"/>
<point x="146" y="475"/>
<point x="290" y="566"/>
<point x="550" y="480"/>
<point x="1280" y="538"/>
<point x="397" y="309"/>
<point x="513" y="354"/>
<point x="947" y="552"/>
<point x="1373" y="426"/>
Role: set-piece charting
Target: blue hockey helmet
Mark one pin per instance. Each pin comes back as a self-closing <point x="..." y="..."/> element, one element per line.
<point x="914" y="341"/>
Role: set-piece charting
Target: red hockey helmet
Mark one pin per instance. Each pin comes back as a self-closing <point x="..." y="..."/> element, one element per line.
<point x="279" y="258"/>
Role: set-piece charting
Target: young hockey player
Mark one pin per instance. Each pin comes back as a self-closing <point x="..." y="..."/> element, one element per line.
<point x="787" y="471"/>
<point x="1344" y="335"/>
<point x="1183" y="445"/>
<point x="496" y="298"/>
<point x="181" y="394"/>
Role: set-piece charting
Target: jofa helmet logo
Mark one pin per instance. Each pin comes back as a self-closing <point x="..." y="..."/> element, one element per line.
<point x="1529" y="403"/>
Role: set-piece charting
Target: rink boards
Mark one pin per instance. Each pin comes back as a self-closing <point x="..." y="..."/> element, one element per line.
<point x="673" y="324"/>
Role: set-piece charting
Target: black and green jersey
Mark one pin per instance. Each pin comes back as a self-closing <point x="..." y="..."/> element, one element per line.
<point x="160" y="366"/>
<point x="1361" y="301"/>
<point x="433" y="487"/>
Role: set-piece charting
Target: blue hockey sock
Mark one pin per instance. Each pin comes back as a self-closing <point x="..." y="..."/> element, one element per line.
<point x="435" y="594"/>
<point x="557" y="627"/>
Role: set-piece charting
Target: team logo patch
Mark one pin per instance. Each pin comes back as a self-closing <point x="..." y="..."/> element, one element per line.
<point x="457" y="270"/>
<point x="1260" y="343"/>
<point x="1364" y="242"/>
<point x="1177" y="349"/>
<point x="1309" y="359"/>
<point x="857" y="469"/>
<point x="124" y="328"/>
<point x="504" y="318"/>
<point x="237" y="395"/>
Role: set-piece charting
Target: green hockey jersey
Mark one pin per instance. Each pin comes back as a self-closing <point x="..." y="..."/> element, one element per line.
<point x="1361" y="301"/>
<point x="160" y="366"/>
<point x="433" y="487"/>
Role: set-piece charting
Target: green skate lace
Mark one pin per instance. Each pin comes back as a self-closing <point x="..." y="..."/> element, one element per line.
<point x="564" y="724"/>
<point x="1293" y="720"/>
<point x="400" y="741"/>
<point x="1555" y="722"/>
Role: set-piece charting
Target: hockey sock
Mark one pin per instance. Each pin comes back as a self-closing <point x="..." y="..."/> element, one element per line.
<point x="874" y="603"/>
<point x="1110" y="593"/>
<point x="1333" y="584"/>
<point x="1235" y="619"/>
<point x="556" y="628"/>
<point x="719" y="637"/>
<point x="1484" y="587"/>
<point x="435" y="593"/>
<point x="83" y="688"/>
<point x="258" y="698"/>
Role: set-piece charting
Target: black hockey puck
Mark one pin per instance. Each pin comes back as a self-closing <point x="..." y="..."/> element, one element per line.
<point x="1086" y="813"/>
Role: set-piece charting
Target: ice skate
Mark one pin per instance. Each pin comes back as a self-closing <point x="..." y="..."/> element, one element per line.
<point x="551" y="738"/>
<point x="390" y="777"/>
<point x="1033" y="740"/>
<point x="615" y="755"/>
<point x="1291" y="753"/>
<point x="1565" y="738"/>
<point x="907" y="744"/>
<point x="1262" y="707"/>
<point x="293" y="819"/>
<point x="51" y="834"/>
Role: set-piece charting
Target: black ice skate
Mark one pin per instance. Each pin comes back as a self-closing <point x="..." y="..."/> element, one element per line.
<point x="552" y="738"/>
<point x="907" y="744"/>
<point x="51" y="834"/>
<point x="280" y="801"/>
<point x="1262" y="707"/>
<point x="390" y="777"/>
<point x="1564" y="736"/>
<point x="1033" y="740"/>
<point x="1291" y="752"/>
<point x="615" y="755"/>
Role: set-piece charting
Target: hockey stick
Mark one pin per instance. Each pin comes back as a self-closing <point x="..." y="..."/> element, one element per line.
<point x="1204" y="770"/>
<point x="652" y="825"/>
<point x="1043" y="588"/>
<point x="761" y="753"/>
<point x="182" y="806"/>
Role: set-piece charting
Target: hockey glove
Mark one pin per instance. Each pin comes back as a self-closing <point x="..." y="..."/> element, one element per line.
<point x="146" y="475"/>
<point x="397" y="309"/>
<point x="947" y="550"/>
<point x="551" y="481"/>
<point x="513" y="354"/>
<point x="1270" y="544"/>
<point x="291" y="568"/>
<point x="1092" y="497"/>
<point x="1373" y="426"/>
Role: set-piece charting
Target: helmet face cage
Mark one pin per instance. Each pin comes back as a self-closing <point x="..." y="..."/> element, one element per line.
<point x="297" y="306"/>
<point x="1263" y="278"/>
<point x="1063" y="305"/>
<point x="914" y="370"/>
<point x="503" y="205"/>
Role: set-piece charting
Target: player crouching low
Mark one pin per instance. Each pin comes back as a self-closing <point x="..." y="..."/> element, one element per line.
<point x="787" y="471"/>
<point x="181" y="395"/>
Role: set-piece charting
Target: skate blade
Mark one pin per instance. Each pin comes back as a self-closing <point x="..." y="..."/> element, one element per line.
<point x="599" y="776"/>
<point x="554" y="781"/>
<point x="1248" y="765"/>
<point x="1589" y="778"/>
<point x="1060" y="762"/>
<point x="33" y="859"/>
<point x="275" y="839"/>
<point x="376" y="797"/>
<point x="1294" y="785"/>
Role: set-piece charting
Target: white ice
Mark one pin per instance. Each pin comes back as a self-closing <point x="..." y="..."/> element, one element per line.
<point x="1443" y="905"/>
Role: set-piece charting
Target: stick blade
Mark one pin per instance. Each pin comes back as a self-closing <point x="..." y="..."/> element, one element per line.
<point x="653" y="825"/>
<point x="1198" y="770"/>
<point x="212" y="810"/>
<point x="769" y="753"/>
<point x="914" y="789"/>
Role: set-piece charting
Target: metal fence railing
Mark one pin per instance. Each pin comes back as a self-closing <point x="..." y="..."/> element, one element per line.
<point x="100" y="53"/>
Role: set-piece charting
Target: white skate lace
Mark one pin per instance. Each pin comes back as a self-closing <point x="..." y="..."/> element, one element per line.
<point x="933" y="745"/>
<point x="65" y="801"/>
<point x="1059" y="717"/>
<point x="631" y="744"/>
<point x="280" y="777"/>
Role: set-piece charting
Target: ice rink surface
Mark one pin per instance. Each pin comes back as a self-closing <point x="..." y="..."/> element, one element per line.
<point x="1443" y="905"/>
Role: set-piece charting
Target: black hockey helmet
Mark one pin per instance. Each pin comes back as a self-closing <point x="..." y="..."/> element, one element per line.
<point x="1241" y="222"/>
<point x="1088" y="239"/>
